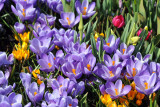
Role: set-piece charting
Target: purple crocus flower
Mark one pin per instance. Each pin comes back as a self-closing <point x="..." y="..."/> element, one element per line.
<point x="4" y="60"/>
<point x="47" y="62"/>
<point x="15" y="100"/>
<point x="26" y="79"/>
<point x="63" y="84"/>
<point x="19" y="27"/>
<point x="4" y="101"/>
<point x="33" y="2"/>
<point x="72" y="70"/>
<point x="147" y="84"/>
<point x="40" y="47"/>
<point x="42" y="31"/>
<point x="55" y="5"/>
<point x="140" y="58"/>
<point x="68" y="102"/>
<point x="52" y="99"/>
<point x="5" y="89"/>
<point x="1" y="4"/>
<point x="59" y="59"/>
<point x="110" y="74"/>
<point x="78" y="89"/>
<point x="112" y="62"/>
<point x="34" y="93"/>
<point x="134" y="69"/>
<point x="25" y="11"/>
<point x="88" y="63"/>
<point x="115" y="90"/>
<point x="125" y="52"/>
<point x="4" y="77"/>
<point x="85" y="8"/>
<point x="68" y="20"/>
<point x="111" y="45"/>
<point x="44" y="19"/>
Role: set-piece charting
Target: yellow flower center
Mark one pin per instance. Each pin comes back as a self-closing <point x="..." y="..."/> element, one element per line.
<point x="108" y="44"/>
<point x="123" y="50"/>
<point x="134" y="72"/>
<point x="74" y="71"/>
<point x="23" y="13"/>
<point x="57" y="47"/>
<point x="49" y="64"/>
<point x="146" y="85"/>
<point x="111" y="74"/>
<point x="116" y="91"/>
<point x="113" y="63"/>
<point x="35" y="93"/>
<point x="89" y="67"/>
<point x="69" y="22"/>
<point x="84" y="11"/>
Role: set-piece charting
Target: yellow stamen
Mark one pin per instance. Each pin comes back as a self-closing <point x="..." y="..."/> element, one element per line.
<point x="69" y="22"/>
<point x="74" y="71"/>
<point x="84" y="11"/>
<point x="123" y="50"/>
<point x="88" y="67"/>
<point x="111" y="74"/>
<point x="35" y="93"/>
<point x="146" y="85"/>
<point x="60" y="86"/>
<point x="49" y="64"/>
<point x="116" y="91"/>
<point x="57" y="47"/>
<point x="108" y="44"/>
<point x="113" y="63"/>
<point x="23" y="13"/>
<point x="134" y="72"/>
<point x="153" y="72"/>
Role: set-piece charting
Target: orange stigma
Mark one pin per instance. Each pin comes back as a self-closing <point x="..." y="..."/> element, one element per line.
<point x="49" y="64"/>
<point x="146" y="85"/>
<point x="60" y="86"/>
<point x="70" y="105"/>
<point x="113" y="63"/>
<point x="84" y="11"/>
<point x="123" y="50"/>
<point x="108" y="44"/>
<point x="74" y="71"/>
<point x="134" y="72"/>
<point x="111" y="74"/>
<point x="69" y="22"/>
<point x="88" y="67"/>
<point x="35" y="93"/>
<point x="116" y="91"/>
<point x="54" y="58"/>
<point x="23" y="13"/>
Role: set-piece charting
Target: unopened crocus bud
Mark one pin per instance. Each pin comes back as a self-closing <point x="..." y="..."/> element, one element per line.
<point x="19" y="27"/>
<point x="134" y="40"/>
<point x="146" y="28"/>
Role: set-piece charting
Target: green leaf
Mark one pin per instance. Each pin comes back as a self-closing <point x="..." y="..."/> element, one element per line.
<point x="125" y="32"/>
<point x="100" y="52"/>
<point x="156" y="40"/>
<point x="93" y="44"/>
<point x="84" y="100"/>
<point x="142" y="9"/>
<point x="158" y="25"/>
